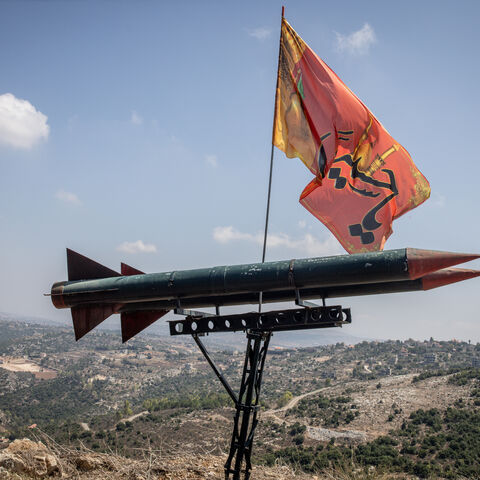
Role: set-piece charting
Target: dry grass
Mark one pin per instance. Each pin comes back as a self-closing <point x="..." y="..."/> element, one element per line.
<point x="84" y="464"/>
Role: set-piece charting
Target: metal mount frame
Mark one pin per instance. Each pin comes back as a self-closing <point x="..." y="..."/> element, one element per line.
<point x="309" y="316"/>
<point x="259" y="328"/>
<point x="245" y="421"/>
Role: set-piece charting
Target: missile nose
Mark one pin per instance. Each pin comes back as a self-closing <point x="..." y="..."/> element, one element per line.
<point x="448" y="276"/>
<point x="423" y="262"/>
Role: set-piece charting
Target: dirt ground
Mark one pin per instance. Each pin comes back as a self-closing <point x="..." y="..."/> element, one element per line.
<point x="375" y="404"/>
<point x="21" y="365"/>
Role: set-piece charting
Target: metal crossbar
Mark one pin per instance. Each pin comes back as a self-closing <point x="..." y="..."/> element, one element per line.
<point x="294" y="319"/>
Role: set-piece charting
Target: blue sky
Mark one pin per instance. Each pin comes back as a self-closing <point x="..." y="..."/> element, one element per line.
<point x="146" y="139"/>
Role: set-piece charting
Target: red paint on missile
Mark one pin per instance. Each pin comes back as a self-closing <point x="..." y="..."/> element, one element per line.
<point x="448" y="276"/>
<point x="83" y="268"/>
<point x="57" y="295"/>
<point x="135" y="322"/>
<point x="87" y="318"/>
<point x="423" y="262"/>
<point x="127" y="270"/>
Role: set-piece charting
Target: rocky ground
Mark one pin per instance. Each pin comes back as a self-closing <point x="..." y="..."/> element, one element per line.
<point x="27" y="460"/>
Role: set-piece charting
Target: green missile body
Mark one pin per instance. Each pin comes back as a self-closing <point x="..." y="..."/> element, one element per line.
<point x="94" y="292"/>
<point x="386" y="266"/>
<point x="433" y="280"/>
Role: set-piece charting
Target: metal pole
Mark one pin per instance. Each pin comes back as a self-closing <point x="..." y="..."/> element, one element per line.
<point x="218" y="373"/>
<point x="246" y="421"/>
<point x="271" y="160"/>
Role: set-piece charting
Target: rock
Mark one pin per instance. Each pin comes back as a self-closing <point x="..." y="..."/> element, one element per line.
<point x="6" y="475"/>
<point x="12" y="463"/>
<point x="28" y="457"/>
<point x="46" y="465"/>
<point x="52" y="464"/>
<point x="88" y="463"/>
<point x="25" y="445"/>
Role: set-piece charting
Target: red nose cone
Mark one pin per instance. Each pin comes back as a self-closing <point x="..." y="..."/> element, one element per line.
<point x="423" y="262"/>
<point x="448" y="276"/>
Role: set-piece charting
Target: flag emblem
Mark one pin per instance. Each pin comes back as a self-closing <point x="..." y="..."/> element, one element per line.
<point x="363" y="178"/>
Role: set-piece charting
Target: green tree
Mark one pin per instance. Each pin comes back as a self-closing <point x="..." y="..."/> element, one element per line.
<point x="284" y="399"/>
<point x="127" y="409"/>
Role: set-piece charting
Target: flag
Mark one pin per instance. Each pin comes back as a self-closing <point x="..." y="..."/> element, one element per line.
<point x="363" y="178"/>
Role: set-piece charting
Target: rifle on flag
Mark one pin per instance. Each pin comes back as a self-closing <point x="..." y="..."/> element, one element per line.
<point x="364" y="179"/>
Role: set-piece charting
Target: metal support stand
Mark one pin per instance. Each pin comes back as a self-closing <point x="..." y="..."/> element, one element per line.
<point x="259" y="328"/>
<point x="247" y="406"/>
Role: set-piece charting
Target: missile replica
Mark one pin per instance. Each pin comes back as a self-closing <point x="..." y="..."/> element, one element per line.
<point x="93" y="292"/>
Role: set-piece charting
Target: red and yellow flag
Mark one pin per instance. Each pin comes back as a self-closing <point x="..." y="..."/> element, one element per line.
<point x="364" y="179"/>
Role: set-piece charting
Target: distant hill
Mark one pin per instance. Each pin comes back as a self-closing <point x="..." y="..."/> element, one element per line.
<point x="301" y="338"/>
<point x="13" y="317"/>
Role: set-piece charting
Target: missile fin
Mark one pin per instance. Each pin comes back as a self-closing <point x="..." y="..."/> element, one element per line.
<point x="87" y="318"/>
<point x="127" y="270"/>
<point x="135" y="322"/>
<point x="423" y="262"/>
<point x="82" y="268"/>
<point x="448" y="276"/>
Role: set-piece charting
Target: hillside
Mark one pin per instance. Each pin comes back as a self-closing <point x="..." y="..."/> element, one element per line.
<point x="399" y="408"/>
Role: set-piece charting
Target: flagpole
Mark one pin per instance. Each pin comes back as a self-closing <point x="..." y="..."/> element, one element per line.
<point x="271" y="160"/>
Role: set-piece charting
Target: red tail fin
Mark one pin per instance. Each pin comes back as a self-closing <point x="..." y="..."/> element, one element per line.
<point x="82" y="268"/>
<point x="128" y="270"/>
<point x="87" y="318"/>
<point x="135" y="322"/>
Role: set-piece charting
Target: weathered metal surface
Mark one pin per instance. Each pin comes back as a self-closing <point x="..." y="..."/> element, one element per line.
<point x="421" y="262"/>
<point x="432" y="280"/>
<point x="144" y="298"/>
<point x="82" y="268"/>
<point x="448" y="276"/>
<point x="295" y="319"/>
<point x="247" y="406"/>
<point x="128" y="270"/>
<point x="343" y="270"/>
<point x="134" y="322"/>
<point x="216" y="370"/>
<point x="87" y="318"/>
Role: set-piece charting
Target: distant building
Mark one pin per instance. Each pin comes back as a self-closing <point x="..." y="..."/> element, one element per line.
<point x="476" y="362"/>
<point x="430" y="358"/>
<point x="189" y="368"/>
<point x="384" y="371"/>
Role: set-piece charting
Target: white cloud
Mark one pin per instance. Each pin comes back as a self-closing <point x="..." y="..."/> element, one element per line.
<point x="229" y="234"/>
<point x="211" y="160"/>
<point x="260" y="33"/>
<point x="21" y="124"/>
<point x="306" y="245"/>
<point x="357" y="42"/>
<point x="302" y="223"/>
<point x="68" y="197"/>
<point x="137" y="247"/>
<point x="136" y="119"/>
<point x="438" y="200"/>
